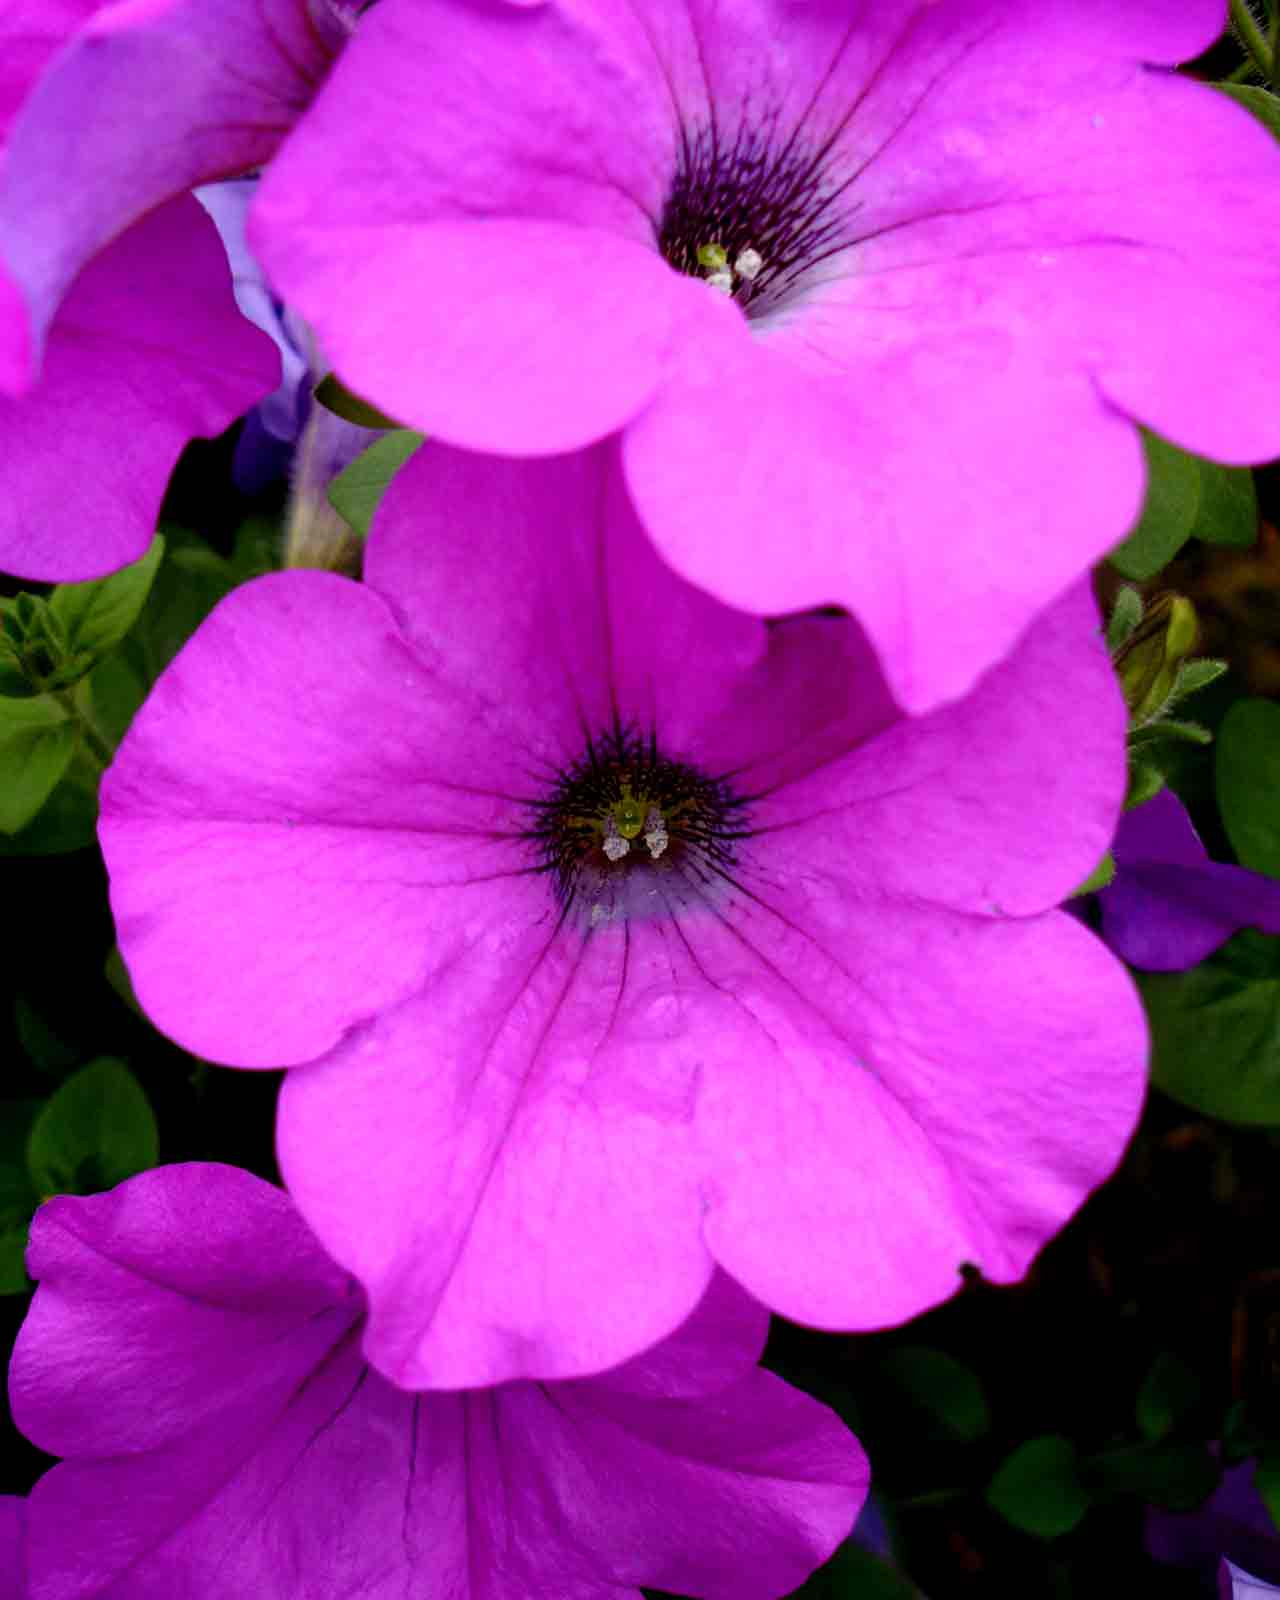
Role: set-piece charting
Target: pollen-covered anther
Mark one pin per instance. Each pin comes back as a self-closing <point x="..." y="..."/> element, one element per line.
<point x="655" y="832"/>
<point x="613" y="844"/>
<point x="749" y="264"/>
<point x="722" y="280"/>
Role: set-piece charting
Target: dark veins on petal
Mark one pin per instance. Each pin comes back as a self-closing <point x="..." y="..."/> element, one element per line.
<point x="625" y="827"/>
<point x="753" y="212"/>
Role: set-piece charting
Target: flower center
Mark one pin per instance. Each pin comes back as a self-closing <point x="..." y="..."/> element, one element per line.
<point x="625" y="830"/>
<point x="753" y="215"/>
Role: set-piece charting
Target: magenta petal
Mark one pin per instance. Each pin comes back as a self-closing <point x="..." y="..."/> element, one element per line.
<point x="909" y="1109"/>
<point x="148" y="351"/>
<point x="299" y="1472"/>
<point x="476" y="1157"/>
<point x="195" y="1332"/>
<point x="359" y="834"/>
<point x="31" y="34"/>
<point x="150" y="99"/>
<point x="886" y="496"/>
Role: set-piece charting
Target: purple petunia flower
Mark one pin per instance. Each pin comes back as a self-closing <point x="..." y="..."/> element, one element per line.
<point x="877" y="291"/>
<point x="12" y="1523"/>
<point x="195" y="1358"/>
<point x="1170" y="906"/>
<point x="635" y="935"/>
<point x="119" y="336"/>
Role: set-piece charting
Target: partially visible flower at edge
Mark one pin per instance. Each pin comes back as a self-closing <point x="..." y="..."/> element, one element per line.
<point x="1234" y="1583"/>
<point x="195" y="1358"/>
<point x="632" y="935"/>
<point x="876" y="294"/>
<point x="119" y="337"/>
<point x="1169" y="906"/>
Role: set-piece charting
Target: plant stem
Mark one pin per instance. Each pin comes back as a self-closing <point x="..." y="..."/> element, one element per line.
<point x="1252" y="37"/>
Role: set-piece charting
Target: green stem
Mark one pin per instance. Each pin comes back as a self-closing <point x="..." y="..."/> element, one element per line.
<point x="1251" y="36"/>
<point x="99" y="746"/>
<point x="934" y="1497"/>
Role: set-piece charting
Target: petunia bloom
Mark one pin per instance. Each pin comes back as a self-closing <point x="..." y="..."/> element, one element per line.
<point x="1234" y="1583"/>
<point x="877" y="292"/>
<point x="635" y="935"/>
<point x="119" y="336"/>
<point x="1169" y="906"/>
<point x="195" y="1358"/>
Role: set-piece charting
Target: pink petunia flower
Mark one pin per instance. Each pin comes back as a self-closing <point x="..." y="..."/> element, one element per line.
<point x="119" y="336"/>
<point x="876" y="291"/>
<point x="635" y="935"/>
<point x="195" y="1358"/>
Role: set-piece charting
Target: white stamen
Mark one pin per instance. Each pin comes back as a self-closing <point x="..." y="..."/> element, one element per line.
<point x="655" y="832"/>
<point x="599" y="913"/>
<point x="615" y="846"/>
<point x="748" y="264"/>
<point x="722" y="280"/>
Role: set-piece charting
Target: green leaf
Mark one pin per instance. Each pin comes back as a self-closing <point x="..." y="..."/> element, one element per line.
<point x="1263" y="105"/>
<point x="1099" y="878"/>
<point x="97" y="1130"/>
<point x="18" y="1199"/>
<point x="334" y="396"/>
<point x="355" y="493"/>
<point x="37" y="742"/>
<point x="1178" y="1477"/>
<point x="1266" y="1480"/>
<point x="1145" y="780"/>
<point x="43" y="1046"/>
<point x="1169" y="511"/>
<point x="97" y="615"/>
<point x="68" y="820"/>
<point x="1247" y="778"/>
<point x="1240" y="1435"/>
<point x="943" y="1396"/>
<point x="1125" y="616"/>
<point x="1039" y="1489"/>
<point x="1196" y="675"/>
<point x="853" y="1573"/>
<point x="1215" y="1031"/>
<point x="1169" y="1394"/>
<point x="1228" y="510"/>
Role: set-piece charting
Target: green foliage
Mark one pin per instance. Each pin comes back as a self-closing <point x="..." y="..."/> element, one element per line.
<point x="18" y="1198"/>
<point x="1039" y="1489"/>
<point x="356" y="492"/>
<point x="941" y="1397"/>
<point x="1169" y="1394"/>
<point x="37" y="741"/>
<point x="1187" y="497"/>
<point x="1266" y="107"/>
<point x="97" y="615"/>
<point x="1266" y="1480"/>
<point x="1099" y="878"/>
<point x="1215" y="1031"/>
<point x="1178" y="1477"/>
<point x="1247" y="776"/>
<point x="97" y="1130"/>
<point x="855" y="1574"/>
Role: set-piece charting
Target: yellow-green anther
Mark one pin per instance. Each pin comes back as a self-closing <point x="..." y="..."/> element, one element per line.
<point x="629" y="813"/>
<point x="713" y="256"/>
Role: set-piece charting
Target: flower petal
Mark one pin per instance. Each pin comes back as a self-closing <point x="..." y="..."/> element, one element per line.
<point x="291" y="841"/>
<point x="149" y="99"/>
<point x="148" y="351"/>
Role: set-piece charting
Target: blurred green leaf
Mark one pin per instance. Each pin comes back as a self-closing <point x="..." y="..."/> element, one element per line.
<point x="1240" y="1435"/>
<point x="18" y="1199"/>
<point x="1228" y="509"/>
<point x="44" y="1046"/>
<point x="853" y="1573"/>
<point x="356" y="492"/>
<point x="1178" y="1477"/>
<point x="97" y="615"/>
<point x="944" y="1398"/>
<point x="37" y="741"/>
<point x="1215" y="1031"/>
<point x="1169" y="511"/>
<point x="1266" y="1480"/>
<point x="68" y="820"/>
<point x="1247" y="778"/>
<point x="97" y="1130"/>
<point x="1099" y="878"/>
<point x="1170" y="1392"/>
<point x="1039" y="1489"/>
